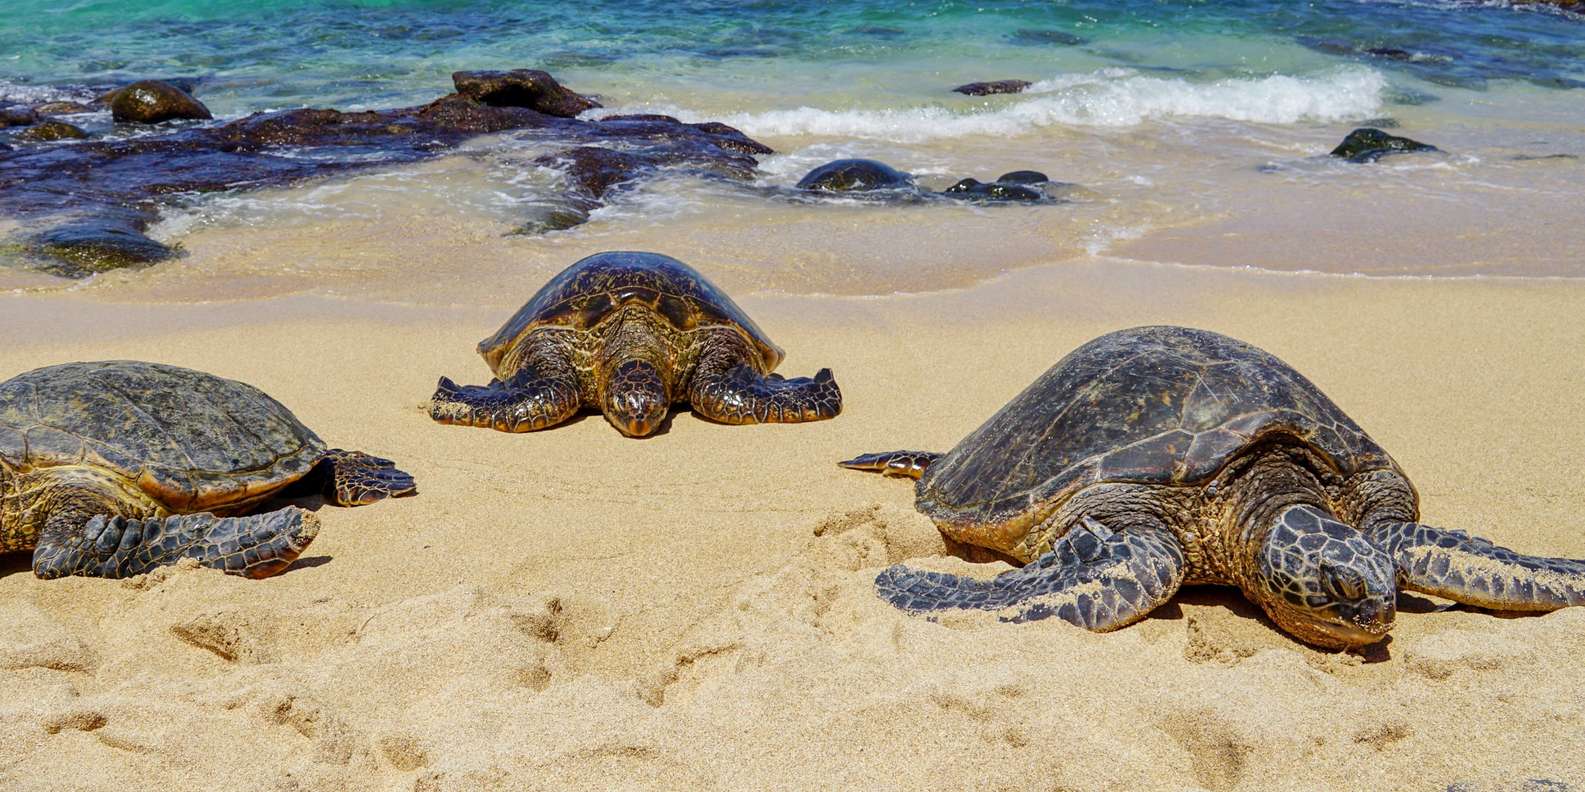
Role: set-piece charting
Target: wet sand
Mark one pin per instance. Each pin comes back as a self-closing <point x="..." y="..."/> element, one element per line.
<point x="575" y="610"/>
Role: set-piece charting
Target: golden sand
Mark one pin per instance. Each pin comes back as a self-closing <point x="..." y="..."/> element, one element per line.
<point x="576" y="610"/>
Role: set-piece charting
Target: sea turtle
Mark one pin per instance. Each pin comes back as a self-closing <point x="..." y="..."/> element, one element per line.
<point x="630" y="334"/>
<point x="1158" y="456"/>
<point x="111" y="469"/>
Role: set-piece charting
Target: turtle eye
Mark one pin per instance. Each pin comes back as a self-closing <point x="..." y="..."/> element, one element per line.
<point x="1342" y="583"/>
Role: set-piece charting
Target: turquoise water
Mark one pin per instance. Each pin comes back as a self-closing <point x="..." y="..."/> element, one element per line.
<point x="384" y="52"/>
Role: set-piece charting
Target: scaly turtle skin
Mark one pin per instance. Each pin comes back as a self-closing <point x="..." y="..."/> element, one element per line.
<point x="630" y="334"/>
<point x="111" y="469"/>
<point x="1158" y="456"/>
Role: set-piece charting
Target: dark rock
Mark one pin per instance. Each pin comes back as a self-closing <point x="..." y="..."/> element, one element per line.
<point x="97" y="180"/>
<point x="50" y="130"/>
<point x="530" y="88"/>
<point x="1369" y="145"/>
<point x="17" y="115"/>
<point x="1023" y="177"/>
<point x="595" y="170"/>
<point x="855" y="175"/>
<point x="89" y="246"/>
<point x="1033" y="37"/>
<point x="1390" y="53"/>
<point x="995" y="191"/>
<point x="993" y="87"/>
<point x="1380" y="123"/>
<point x="153" y="101"/>
<point x="552" y="218"/>
<point x="62" y="108"/>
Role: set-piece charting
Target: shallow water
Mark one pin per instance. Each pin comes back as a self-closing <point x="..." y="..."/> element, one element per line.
<point x="1195" y="130"/>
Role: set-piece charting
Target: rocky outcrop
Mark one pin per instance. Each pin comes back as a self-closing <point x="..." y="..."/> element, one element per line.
<point x="95" y="181"/>
<point x="993" y="87"/>
<point x="855" y="175"/>
<point x="530" y="88"/>
<point x="1368" y="145"/>
<point x="62" y="108"/>
<point x="153" y="101"/>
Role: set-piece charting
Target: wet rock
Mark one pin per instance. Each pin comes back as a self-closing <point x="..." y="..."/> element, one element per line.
<point x="1390" y="53"/>
<point x="530" y="88"/>
<point x="17" y="115"/>
<point x="1368" y="145"/>
<point x="1380" y="123"/>
<point x="153" y="101"/>
<point x="995" y="192"/>
<point x="1023" y="177"/>
<point x="89" y="246"/>
<point x="50" y="130"/>
<point x="993" y="87"/>
<point x="595" y="170"/>
<point x="1538" y="157"/>
<point x="96" y="180"/>
<point x="1034" y="37"/>
<point x="855" y="175"/>
<point x="552" y="218"/>
<point x="62" y="108"/>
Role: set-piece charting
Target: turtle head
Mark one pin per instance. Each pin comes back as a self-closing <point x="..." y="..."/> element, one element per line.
<point x="636" y="398"/>
<point x="1324" y="582"/>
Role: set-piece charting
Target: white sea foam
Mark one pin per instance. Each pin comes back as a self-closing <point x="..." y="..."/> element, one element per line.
<point x="1106" y="98"/>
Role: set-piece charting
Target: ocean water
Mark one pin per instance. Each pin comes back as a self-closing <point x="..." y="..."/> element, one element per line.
<point x="1206" y="115"/>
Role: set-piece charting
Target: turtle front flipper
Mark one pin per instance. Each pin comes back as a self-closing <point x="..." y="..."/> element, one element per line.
<point x="1095" y="578"/>
<point x="1474" y="571"/>
<point x="359" y="479"/>
<point x="525" y="403"/>
<point x="742" y="395"/>
<point x="901" y="464"/>
<point x="107" y="546"/>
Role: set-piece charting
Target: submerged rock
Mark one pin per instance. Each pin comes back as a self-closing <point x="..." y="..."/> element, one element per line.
<point x="50" y="130"/>
<point x="62" y="108"/>
<point x="1033" y="37"/>
<point x="595" y="171"/>
<point x="85" y="247"/>
<point x="993" y="87"/>
<point x="530" y="88"/>
<point x="552" y="218"/>
<point x="855" y="175"/>
<point x="1368" y="145"/>
<point x="153" y="101"/>
<point x="1023" y="177"/>
<point x="17" y="115"/>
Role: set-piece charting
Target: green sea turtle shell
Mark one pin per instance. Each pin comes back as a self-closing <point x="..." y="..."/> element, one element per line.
<point x="595" y="287"/>
<point x="1149" y="405"/>
<point x="191" y="440"/>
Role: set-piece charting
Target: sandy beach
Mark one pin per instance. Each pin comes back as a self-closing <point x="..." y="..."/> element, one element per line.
<point x="575" y="610"/>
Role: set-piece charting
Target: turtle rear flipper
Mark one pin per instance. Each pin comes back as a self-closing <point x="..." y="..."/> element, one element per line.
<point x="106" y="546"/>
<point x="1093" y="578"/>
<point x="359" y="479"/>
<point x="1474" y="571"/>
<point x="524" y="404"/>
<point x="901" y="464"/>
<point x="744" y="396"/>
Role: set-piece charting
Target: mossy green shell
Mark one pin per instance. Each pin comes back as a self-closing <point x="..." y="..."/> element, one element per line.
<point x="1150" y="405"/>
<point x="598" y="286"/>
<point x="191" y="440"/>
